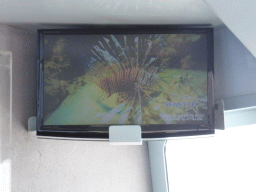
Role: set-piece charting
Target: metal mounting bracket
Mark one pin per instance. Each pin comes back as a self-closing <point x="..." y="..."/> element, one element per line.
<point x="125" y="135"/>
<point x="32" y="123"/>
<point x="219" y="114"/>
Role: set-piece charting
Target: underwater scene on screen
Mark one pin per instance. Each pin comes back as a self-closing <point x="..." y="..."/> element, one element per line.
<point x="125" y="79"/>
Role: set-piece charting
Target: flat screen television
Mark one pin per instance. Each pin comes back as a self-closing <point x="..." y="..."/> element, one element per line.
<point x="157" y="76"/>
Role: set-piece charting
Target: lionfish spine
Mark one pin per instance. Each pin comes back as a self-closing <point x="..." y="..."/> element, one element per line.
<point x="125" y="80"/>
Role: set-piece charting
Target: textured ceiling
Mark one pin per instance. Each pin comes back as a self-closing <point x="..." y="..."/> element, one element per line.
<point x="44" y="13"/>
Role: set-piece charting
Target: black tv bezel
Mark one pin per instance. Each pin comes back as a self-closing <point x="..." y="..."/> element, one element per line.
<point x="100" y="132"/>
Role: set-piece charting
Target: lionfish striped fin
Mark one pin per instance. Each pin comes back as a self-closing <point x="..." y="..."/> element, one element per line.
<point x="96" y="55"/>
<point x="107" y="41"/>
<point x="148" y="50"/>
<point x="118" y="46"/>
<point x="136" y="41"/>
<point x="127" y="50"/>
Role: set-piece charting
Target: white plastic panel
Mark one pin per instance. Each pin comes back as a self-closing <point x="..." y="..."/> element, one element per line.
<point x="240" y="117"/>
<point x="5" y="104"/>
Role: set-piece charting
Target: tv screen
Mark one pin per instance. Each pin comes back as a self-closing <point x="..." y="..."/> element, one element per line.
<point x="158" y="77"/>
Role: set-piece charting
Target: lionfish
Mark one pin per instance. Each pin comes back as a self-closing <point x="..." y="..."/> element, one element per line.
<point x="134" y="70"/>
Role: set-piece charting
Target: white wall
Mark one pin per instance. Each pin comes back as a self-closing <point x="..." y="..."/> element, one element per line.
<point x="3" y="37"/>
<point x="55" y="165"/>
<point x="235" y="66"/>
<point x="50" y="165"/>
